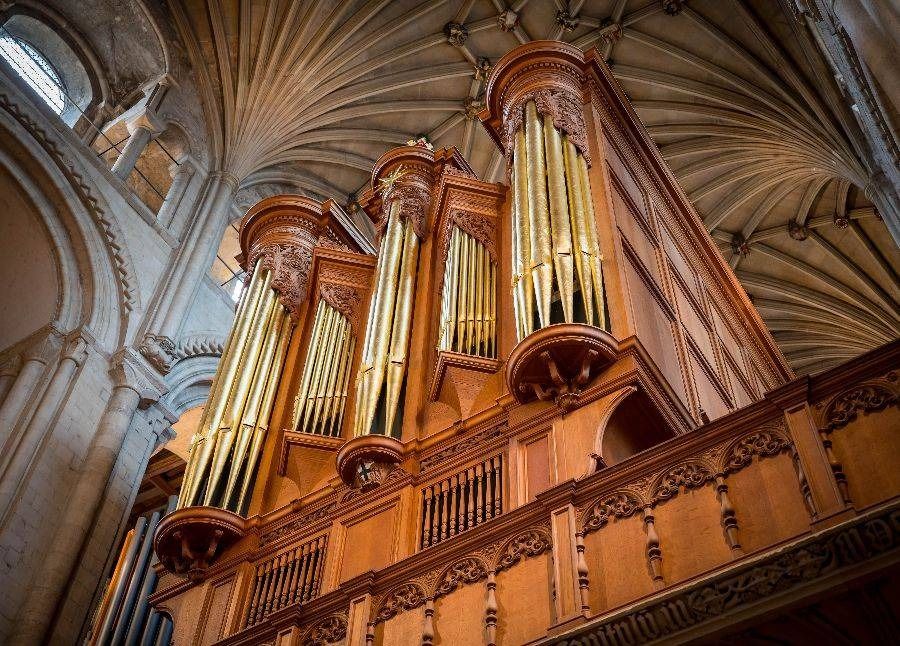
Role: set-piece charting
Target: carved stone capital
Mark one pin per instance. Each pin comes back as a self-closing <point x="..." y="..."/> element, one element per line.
<point x="159" y="350"/>
<point x="129" y="371"/>
<point x="45" y="348"/>
<point x="76" y="349"/>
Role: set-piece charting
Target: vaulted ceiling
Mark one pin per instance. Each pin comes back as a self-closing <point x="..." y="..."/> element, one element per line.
<point x="306" y="95"/>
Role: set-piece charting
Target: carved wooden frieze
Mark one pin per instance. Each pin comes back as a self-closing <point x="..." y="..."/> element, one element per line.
<point x="404" y="597"/>
<point x="330" y="630"/>
<point x="864" y="398"/>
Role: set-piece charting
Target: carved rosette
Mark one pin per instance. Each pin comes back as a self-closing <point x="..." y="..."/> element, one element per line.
<point x="548" y="73"/>
<point x="279" y="233"/>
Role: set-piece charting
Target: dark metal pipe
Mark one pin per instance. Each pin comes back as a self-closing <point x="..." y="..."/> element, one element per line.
<point x="134" y="586"/>
<point x="115" y="601"/>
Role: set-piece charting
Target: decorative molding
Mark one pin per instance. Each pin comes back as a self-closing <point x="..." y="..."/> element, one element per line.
<point x="788" y="569"/>
<point x="407" y="596"/>
<point x="454" y="450"/>
<point x="532" y="542"/>
<point x="466" y="570"/>
<point x="864" y="398"/>
<point x="116" y="248"/>
<point x="297" y="524"/>
<point x="620" y="504"/>
<point x="330" y="630"/>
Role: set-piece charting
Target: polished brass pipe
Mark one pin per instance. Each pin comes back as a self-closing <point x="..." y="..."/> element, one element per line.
<point x="229" y="369"/>
<point x="579" y="224"/>
<point x="334" y="344"/>
<point x="336" y="429"/>
<point x="374" y="368"/>
<point x="559" y="218"/>
<point x="541" y="261"/>
<point x="237" y="399"/>
<point x="591" y="230"/>
<point x="262" y="426"/>
<point x="335" y="378"/>
<point x="399" y="342"/>
<point x="522" y="219"/>
<point x="323" y="349"/>
<point x="312" y="347"/>
<point x="251" y="415"/>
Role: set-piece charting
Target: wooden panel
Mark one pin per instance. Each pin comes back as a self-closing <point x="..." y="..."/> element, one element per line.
<point x="524" y="617"/>
<point x="369" y="543"/>
<point x="217" y="606"/>
<point x="690" y="534"/>
<point x="621" y="175"/>
<point x="636" y="232"/>
<point x="767" y="502"/>
<point x="617" y="563"/>
<point x="404" y="629"/>
<point x="709" y="396"/>
<point x="655" y="331"/>
<point x="537" y="466"/>
<point x="872" y="475"/>
<point x="459" y="616"/>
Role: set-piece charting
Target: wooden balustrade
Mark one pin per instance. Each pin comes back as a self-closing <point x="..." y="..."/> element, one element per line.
<point x="462" y="501"/>
<point x="286" y="579"/>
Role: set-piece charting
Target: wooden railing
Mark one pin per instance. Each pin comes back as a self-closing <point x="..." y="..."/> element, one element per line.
<point x="462" y="501"/>
<point x="286" y="579"/>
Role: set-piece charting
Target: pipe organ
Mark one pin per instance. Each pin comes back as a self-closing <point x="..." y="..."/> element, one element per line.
<point x="326" y="373"/>
<point x="468" y="323"/>
<point x="557" y="272"/>
<point x="235" y="420"/>
<point x="432" y="440"/>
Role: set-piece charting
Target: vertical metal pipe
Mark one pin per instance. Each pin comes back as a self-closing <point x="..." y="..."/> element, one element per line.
<point x="151" y="629"/>
<point x="134" y="586"/>
<point x="559" y="218"/>
<point x="538" y="215"/>
<point x="579" y="232"/>
<point x="118" y="593"/>
<point x="522" y="261"/>
<point x="591" y="229"/>
<point x="165" y="633"/>
<point x="345" y="388"/>
<point x="311" y="349"/>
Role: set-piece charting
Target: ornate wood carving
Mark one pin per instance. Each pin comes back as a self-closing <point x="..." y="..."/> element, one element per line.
<point x="404" y="597"/>
<point x="532" y="542"/>
<point x="330" y="630"/>
<point x="684" y="476"/>
<point x="466" y="570"/>
<point x="847" y="405"/>
<point x="620" y="504"/>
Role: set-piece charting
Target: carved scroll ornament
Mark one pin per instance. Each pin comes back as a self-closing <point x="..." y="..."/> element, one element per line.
<point x="618" y="505"/>
<point x="867" y="398"/>
<point x="289" y="264"/>
<point x="344" y="299"/>
<point x="467" y="570"/>
<point x="562" y="106"/>
<point x="405" y="597"/>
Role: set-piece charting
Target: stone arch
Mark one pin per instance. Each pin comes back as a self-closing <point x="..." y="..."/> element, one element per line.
<point x="67" y="50"/>
<point x="630" y="424"/>
<point x="97" y="279"/>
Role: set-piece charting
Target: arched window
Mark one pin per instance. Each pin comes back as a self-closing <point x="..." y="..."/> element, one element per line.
<point x="35" y="70"/>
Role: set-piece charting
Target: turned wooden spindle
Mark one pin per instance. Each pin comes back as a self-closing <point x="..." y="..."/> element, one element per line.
<point x="654" y="553"/>
<point x="729" y="519"/>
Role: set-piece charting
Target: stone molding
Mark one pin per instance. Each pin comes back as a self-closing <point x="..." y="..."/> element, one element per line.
<point x="129" y="370"/>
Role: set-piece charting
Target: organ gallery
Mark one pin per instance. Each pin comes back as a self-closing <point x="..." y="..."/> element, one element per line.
<point x="542" y="411"/>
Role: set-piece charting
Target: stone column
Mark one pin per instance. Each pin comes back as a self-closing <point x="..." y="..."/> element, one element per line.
<point x="141" y="132"/>
<point x="13" y="478"/>
<point x="8" y="371"/>
<point x="197" y="252"/>
<point x="35" y="360"/>
<point x="134" y="384"/>
<point x="181" y="174"/>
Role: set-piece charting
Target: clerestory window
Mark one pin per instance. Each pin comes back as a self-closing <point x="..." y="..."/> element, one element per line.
<point x="34" y="69"/>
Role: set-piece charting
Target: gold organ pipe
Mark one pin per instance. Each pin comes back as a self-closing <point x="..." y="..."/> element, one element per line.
<point x="334" y="344"/>
<point x="559" y="218"/>
<point x="250" y="418"/>
<point x="237" y="399"/>
<point x="345" y="387"/>
<point x="378" y="333"/>
<point x="322" y="349"/>
<point x="227" y="371"/>
<point x="262" y="425"/>
<point x="399" y="343"/>
<point x="470" y="291"/>
<point x="522" y="266"/>
<point x="303" y="392"/>
<point x="591" y="229"/>
<point x="579" y="229"/>
<point x="541" y="262"/>
<point x="463" y="297"/>
<point x="479" y="298"/>
<point x="493" y="328"/>
<point x="335" y="379"/>
<point x="454" y="288"/>
<point x="250" y="292"/>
